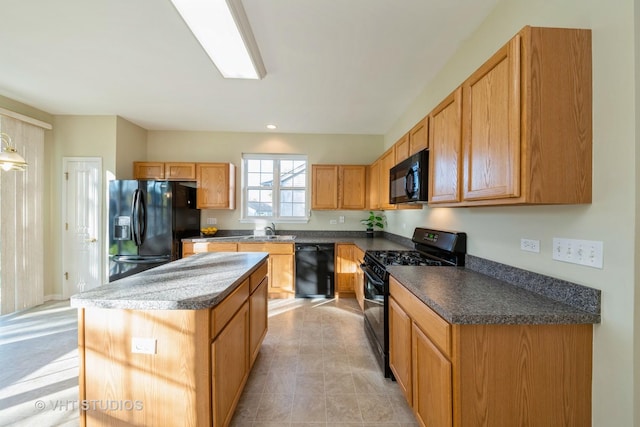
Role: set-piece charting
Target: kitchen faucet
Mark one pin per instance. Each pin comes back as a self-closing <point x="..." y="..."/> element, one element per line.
<point x="270" y="231"/>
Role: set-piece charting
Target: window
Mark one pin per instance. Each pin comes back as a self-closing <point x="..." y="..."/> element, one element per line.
<point x="274" y="187"/>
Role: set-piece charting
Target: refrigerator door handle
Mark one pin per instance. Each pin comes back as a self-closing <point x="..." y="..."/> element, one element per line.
<point x="142" y="206"/>
<point x="139" y="217"/>
<point x="134" y="218"/>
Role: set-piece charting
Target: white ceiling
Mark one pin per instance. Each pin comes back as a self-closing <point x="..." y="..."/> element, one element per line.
<point x="333" y="66"/>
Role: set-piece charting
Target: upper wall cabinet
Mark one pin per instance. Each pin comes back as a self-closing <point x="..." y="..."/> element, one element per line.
<point x="445" y="155"/>
<point x="172" y="171"/>
<point x="216" y="187"/>
<point x="526" y="122"/>
<point x="338" y="187"/>
<point x="415" y="140"/>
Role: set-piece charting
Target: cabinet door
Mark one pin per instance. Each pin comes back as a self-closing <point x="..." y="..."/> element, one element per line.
<point x="358" y="285"/>
<point x="418" y="137"/>
<point x="230" y="366"/>
<point x="352" y="186"/>
<point x="491" y="127"/>
<point x="445" y="160"/>
<point x="400" y="348"/>
<point x="373" y="186"/>
<point x="258" y="318"/>
<point x="180" y="171"/>
<point x="324" y="187"/>
<point x="387" y="161"/>
<point x="148" y="170"/>
<point x="345" y="270"/>
<point x="401" y="148"/>
<point x="432" y="382"/>
<point x="216" y="185"/>
<point x="281" y="270"/>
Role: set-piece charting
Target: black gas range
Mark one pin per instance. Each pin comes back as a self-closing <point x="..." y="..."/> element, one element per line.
<point x="431" y="248"/>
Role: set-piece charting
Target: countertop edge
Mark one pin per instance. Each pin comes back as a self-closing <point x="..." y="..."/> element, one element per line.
<point x="100" y="297"/>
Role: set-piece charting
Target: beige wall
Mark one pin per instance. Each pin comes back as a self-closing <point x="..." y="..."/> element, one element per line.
<point x="228" y="147"/>
<point x="495" y="232"/>
<point x="131" y="144"/>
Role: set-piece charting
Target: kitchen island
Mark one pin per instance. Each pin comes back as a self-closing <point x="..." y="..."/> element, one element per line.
<point x="173" y="345"/>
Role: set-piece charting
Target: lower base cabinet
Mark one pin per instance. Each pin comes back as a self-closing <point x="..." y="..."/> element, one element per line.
<point x="488" y="374"/>
<point x="195" y="377"/>
<point x="230" y="358"/>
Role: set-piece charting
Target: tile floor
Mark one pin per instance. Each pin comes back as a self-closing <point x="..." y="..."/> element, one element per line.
<point x="315" y="369"/>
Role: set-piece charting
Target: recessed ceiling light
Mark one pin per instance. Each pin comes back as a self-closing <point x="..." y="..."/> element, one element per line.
<point x="222" y="28"/>
<point x="271" y="126"/>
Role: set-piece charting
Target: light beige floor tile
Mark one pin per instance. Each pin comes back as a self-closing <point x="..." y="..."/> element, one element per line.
<point x="343" y="408"/>
<point x="309" y="408"/>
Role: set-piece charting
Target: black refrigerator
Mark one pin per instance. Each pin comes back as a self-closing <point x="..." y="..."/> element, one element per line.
<point x="147" y="220"/>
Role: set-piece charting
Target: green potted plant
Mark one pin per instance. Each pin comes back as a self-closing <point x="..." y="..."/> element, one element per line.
<point x="374" y="221"/>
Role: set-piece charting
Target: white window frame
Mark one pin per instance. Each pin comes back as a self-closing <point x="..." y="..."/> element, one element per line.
<point x="276" y="189"/>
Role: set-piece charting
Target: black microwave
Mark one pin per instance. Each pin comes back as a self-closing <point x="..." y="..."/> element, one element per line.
<point x="409" y="179"/>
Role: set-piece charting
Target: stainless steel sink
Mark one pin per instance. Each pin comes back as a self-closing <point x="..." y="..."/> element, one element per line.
<point x="273" y="237"/>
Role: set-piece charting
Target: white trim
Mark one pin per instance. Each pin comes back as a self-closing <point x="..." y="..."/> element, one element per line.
<point x="25" y="119"/>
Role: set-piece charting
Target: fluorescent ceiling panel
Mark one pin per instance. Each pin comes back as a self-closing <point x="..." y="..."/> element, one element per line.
<point x="222" y="28"/>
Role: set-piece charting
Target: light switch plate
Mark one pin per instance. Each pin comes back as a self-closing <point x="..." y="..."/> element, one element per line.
<point x="581" y="252"/>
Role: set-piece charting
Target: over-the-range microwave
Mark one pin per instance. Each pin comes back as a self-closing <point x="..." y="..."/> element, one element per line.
<point x="409" y="179"/>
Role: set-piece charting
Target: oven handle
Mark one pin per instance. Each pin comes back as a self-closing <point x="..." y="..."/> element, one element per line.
<point x="370" y="275"/>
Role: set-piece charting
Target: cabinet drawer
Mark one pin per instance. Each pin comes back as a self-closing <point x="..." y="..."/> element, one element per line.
<point x="435" y="327"/>
<point x="272" y="248"/>
<point x="224" y="311"/>
<point x="258" y="276"/>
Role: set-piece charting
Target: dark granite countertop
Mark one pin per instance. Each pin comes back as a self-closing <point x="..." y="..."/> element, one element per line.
<point x="197" y="282"/>
<point x="364" y="243"/>
<point x="463" y="296"/>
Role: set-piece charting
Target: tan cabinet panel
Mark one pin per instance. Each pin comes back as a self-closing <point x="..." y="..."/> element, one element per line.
<point x="216" y="185"/>
<point x="148" y="170"/>
<point x="180" y="171"/>
<point x="419" y="136"/>
<point x="338" y="187"/>
<point x="445" y="154"/>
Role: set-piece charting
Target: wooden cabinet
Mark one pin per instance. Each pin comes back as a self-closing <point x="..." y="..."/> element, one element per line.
<point x="216" y="185"/>
<point x="401" y="148"/>
<point x="419" y="137"/>
<point x="386" y="161"/>
<point x="358" y="285"/>
<point x="462" y="374"/>
<point x="526" y="114"/>
<point x="373" y="186"/>
<point x="281" y="261"/>
<point x="230" y="365"/>
<point x="198" y="368"/>
<point x="432" y="386"/>
<point x="445" y="154"/>
<point x="345" y="269"/>
<point x="190" y="248"/>
<point x="338" y="187"/>
<point x="172" y="171"/>
<point x="258" y="311"/>
<point x="400" y="348"/>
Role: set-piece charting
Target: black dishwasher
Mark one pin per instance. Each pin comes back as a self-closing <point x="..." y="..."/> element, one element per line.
<point x="314" y="270"/>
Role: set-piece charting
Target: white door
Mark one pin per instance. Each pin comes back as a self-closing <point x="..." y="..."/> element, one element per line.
<point x="81" y="219"/>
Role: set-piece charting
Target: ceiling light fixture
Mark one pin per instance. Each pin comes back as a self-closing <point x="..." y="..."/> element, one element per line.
<point x="222" y="28"/>
<point x="9" y="158"/>
<point x="272" y="126"/>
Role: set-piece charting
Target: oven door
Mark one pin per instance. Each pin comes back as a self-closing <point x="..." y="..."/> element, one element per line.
<point x="375" y="305"/>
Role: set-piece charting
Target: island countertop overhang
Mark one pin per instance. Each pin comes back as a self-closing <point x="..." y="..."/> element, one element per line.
<point x="193" y="283"/>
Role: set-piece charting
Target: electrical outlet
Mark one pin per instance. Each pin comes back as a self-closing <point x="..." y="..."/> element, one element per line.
<point x="582" y="252"/>
<point x="333" y="221"/>
<point x="143" y="345"/>
<point x="341" y="219"/>
<point x="530" y="245"/>
<point x="212" y="221"/>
